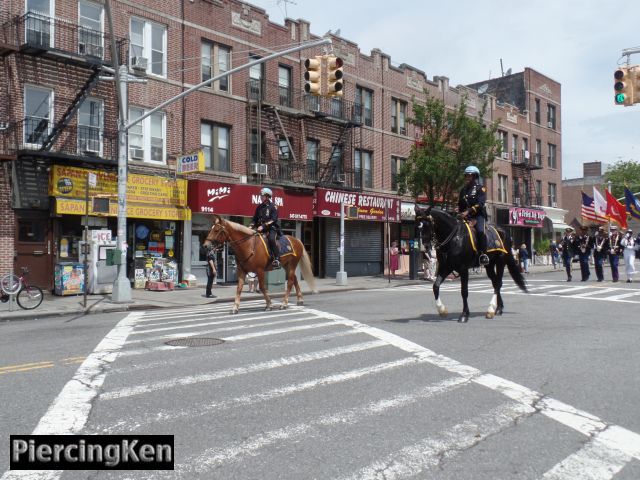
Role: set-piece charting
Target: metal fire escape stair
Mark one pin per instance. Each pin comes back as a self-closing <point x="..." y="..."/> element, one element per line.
<point x="66" y="117"/>
<point x="329" y="173"/>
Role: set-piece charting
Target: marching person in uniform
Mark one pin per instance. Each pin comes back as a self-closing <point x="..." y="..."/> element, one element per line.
<point x="266" y="219"/>
<point x="614" y="252"/>
<point x="628" y="242"/>
<point x="584" y="246"/>
<point x="471" y="205"/>
<point x="600" y="251"/>
<point x="566" y="250"/>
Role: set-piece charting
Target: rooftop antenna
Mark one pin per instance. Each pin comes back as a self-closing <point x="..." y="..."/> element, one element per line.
<point x="501" y="69"/>
<point x="286" y="15"/>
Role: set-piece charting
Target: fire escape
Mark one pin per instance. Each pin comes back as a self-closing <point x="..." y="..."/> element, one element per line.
<point x="524" y="188"/>
<point x="279" y="123"/>
<point x="37" y="49"/>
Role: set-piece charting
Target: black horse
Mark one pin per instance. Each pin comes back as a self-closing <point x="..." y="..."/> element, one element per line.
<point x="456" y="253"/>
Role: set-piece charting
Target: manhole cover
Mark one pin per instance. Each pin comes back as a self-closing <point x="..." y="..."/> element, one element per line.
<point x="194" y="342"/>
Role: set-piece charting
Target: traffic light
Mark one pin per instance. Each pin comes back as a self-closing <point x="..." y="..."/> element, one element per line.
<point x="334" y="76"/>
<point x="623" y="86"/>
<point x="313" y="75"/>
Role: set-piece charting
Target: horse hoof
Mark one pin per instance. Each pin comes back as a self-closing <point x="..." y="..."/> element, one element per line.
<point x="443" y="313"/>
<point x="268" y="308"/>
<point x="234" y="311"/>
<point x="300" y="303"/>
<point x="283" y="306"/>
<point x="463" y="318"/>
<point x="490" y="315"/>
<point x="499" y="311"/>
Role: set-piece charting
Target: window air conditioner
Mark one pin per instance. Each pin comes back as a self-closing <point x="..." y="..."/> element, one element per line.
<point x="403" y="130"/>
<point x="139" y="63"/>
<point x="516" y="200"/>
<point x="137" y="153"/>
<point x="526" y="154"/>
<point x="258" y="168"/>
<point x="505" y="155"/>
<point x="550" y="124"/>
<point x="554" y="204"/>
<point x="340" y="178"/>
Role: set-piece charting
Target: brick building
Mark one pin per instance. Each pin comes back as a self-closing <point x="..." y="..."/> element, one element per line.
<point x="256" y="127"/>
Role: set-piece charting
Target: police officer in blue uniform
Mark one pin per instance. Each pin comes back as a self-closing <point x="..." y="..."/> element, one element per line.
<point x="266" y="218"/>
<point x="471" y="205"/>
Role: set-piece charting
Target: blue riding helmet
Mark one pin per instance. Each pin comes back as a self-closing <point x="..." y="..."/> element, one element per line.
<point x="266" y="191"/>
<point x="472" y="170"/>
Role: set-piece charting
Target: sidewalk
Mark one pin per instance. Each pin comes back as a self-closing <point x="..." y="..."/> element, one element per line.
<point x="148" y="300"/>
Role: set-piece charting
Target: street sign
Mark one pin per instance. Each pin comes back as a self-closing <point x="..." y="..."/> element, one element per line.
<point x="92" y="178"/>
<point x="190" y="163"/>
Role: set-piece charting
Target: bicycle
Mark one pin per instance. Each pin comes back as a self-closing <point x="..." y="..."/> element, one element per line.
<point x="28" y="296"/>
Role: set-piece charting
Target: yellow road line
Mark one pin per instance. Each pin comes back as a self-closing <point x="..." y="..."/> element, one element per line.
<point x="11" y="367"/>
<point x="26" y="369"/>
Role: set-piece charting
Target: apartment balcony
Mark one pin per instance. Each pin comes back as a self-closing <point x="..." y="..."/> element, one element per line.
<point x="524" y="159"/>
<point x="297" y="102"/>
<point x="525" y="200"/>
<point x="78" y="142"/>
<point x="58" y="39"/>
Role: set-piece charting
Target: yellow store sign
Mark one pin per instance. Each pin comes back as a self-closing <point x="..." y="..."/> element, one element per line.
<point x="74" y="206"/>
<point x="70" y="182"/>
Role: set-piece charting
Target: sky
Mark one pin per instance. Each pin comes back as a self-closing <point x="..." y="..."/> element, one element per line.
<point x="578" y="43"/>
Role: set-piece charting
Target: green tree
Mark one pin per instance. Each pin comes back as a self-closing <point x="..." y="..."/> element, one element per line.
<point x="451" y="140"/>
<point x="623" y="173"/>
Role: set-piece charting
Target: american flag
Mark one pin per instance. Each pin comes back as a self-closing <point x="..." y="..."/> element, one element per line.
<point x="588" y="210"/>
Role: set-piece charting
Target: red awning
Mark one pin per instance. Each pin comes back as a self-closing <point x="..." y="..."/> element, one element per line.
<point x="370" y="207"/>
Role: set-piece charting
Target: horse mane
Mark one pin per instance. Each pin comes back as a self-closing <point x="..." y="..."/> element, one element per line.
<point x="237" y="226"/>
<point x="445" y="216"/>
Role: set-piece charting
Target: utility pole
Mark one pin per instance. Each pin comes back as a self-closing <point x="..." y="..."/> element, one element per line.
<point x="122" y="285"/>
<point x="341" y="276"/>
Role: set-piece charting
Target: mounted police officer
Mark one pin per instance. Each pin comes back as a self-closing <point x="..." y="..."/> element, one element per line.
<point x="266" y="219"/>
<point x="471" y="205"/>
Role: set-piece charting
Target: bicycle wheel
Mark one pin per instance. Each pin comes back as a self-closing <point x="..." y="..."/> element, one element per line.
<point x="10" y="284"/>
<point x="30" y="297"/>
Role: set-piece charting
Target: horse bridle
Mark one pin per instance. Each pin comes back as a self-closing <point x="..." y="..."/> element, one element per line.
<point x="434" y="238"/>
<point x="222" y="231"/>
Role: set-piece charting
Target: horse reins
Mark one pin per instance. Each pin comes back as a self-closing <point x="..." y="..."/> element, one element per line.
<point x="240" y="240"/>
<point x="434" y="238"/>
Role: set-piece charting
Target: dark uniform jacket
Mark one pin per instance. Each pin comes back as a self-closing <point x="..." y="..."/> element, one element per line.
<point x="601" y="245"/>
<point x="584" y="244"/>
<point x="472" y="198"/>
<point x="614" y="244"/>
<point x="267" y="216"/>
<point x="568" y="246"/>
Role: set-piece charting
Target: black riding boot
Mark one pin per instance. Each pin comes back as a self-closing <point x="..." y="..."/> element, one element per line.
<point x="274" y="249"/>
<point x="482" y="248"/>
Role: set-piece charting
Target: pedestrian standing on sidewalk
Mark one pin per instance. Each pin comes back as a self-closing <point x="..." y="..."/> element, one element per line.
<point x="629" y="244"/>
<point x="553" y="250"/>
<point x="393" y="261"/>
<point x="211" y="270"/>
<point x="615" y="250"/>
<point x="524" y="257"/>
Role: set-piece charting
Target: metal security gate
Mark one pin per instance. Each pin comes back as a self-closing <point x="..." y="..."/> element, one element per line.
<point x="363" y="248"/>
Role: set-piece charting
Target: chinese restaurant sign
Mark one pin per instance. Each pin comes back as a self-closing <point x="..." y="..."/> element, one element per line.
<point x="370" y="207"/>
<point x="526" y="217"/>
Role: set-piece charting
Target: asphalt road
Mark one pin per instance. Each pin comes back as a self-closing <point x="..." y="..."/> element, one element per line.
<point x="369" y="384"/>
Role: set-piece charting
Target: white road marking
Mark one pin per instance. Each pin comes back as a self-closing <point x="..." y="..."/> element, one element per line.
<point x="70" y="410"/>
<point x="171" y="319"/>
<point x="624" y="295"/>
<point x="277" y="331"/>
<point x="154" y="315"/>
<point x="431" y="451"/>
<point x="598" y="291"/>
<point x="231" y="372"/>
<point x="595" y="461"/>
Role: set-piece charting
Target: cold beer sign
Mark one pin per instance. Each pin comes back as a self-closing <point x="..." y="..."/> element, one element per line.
<point x="191" y="163"/>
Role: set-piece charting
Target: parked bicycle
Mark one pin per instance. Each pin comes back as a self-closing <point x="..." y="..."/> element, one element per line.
<point x="27" y="296"/>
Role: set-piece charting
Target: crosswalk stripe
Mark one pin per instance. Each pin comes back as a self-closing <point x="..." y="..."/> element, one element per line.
<point x="598" y="291"/>
<point x="595" y="461"/>
<point x="231" y="372"/>
<point x="573" y="289"/>
<point x="429" y="452"/>
<point x="228" y="319"/>
<point x="250" y="399"/>
<point x="624" y="295"/>
<point x="214" y="330"/>
<point x="276" y="331"/>
<point x="171" y="313"/>
<point x="213" y="457"/>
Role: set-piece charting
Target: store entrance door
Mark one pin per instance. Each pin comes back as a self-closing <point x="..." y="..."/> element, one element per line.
<point x="33" y="247"/>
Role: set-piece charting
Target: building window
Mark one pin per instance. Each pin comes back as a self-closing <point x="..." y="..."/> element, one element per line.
<point x="147" y="138"/>
<point x="538" y="199"/>
<point x="363" y="169"/>
<point x="525" y="191"/>
<point x="90" y="17"/>
<point x="537" y="111"/>
<point x="90" y="127"/>
<point x="257" y="150"/>
<point x="553" y="199"/>
<point x="215" y="59"/>
<point x="398" y="116"/>
<point x="504" y="140"/>
<point x="503" y="188"/>
<point x="39" y="26"/>
<point x="284" y="85"/>
<point x="364" y="106"/>
<point x="256" y="79"/>
<point x="38" y="112"/>
<point x="538" y="158"/>
<point x="396" y="168"/>
<point x="215" y="142"/>
<point x="336" y="107"/>
<point x="525" y="150"/>
<point x="148" y="47"/>
<point x="551" y="116"/>
<point x="335" y="163"/>
<point x="514" y="146"/>
<point x="552" y="156"/>
<point x="313" y="155"/>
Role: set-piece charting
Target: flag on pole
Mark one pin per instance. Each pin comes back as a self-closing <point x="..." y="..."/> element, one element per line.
<point x="599" y="206"/>
<point x="588" y="210"/>
<point x="616" y="211"/>
<point x="633" y="204"/>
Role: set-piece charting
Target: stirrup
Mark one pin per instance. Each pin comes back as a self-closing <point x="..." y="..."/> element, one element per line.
<point x="484" y="259"/>
<point x="276" y="263"/>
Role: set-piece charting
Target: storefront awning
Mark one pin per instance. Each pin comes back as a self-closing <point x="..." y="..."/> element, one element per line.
<point x="560" y="226"/>
<point x="370" y="207"/>
<point x="74" y="206"/>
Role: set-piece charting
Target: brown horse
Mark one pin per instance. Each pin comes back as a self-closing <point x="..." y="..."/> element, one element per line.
<point x="252" y="255"/>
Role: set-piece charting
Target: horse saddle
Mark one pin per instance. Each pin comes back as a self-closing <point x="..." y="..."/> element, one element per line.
<point x="494" y="239"/>
<point x="283" y="243"/>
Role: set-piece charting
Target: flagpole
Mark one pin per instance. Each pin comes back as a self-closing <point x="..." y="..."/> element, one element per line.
<point x="608" y="217"/>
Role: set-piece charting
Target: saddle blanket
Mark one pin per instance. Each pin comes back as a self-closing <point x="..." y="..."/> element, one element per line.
<point x="284" y="245"/>
<point x="494" y="241"/>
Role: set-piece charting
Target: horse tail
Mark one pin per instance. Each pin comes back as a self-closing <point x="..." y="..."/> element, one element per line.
<point x="512" y="265"/>
<point x="307" y="273"/>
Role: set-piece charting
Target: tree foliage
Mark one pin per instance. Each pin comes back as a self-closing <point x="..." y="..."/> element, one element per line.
<point x="621" y="174"/>
<point x="451" y="140"/>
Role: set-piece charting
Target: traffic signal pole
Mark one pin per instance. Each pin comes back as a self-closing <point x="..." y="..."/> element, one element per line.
<point x="341" y="276"/>
<point x="122" y="285"/>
